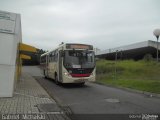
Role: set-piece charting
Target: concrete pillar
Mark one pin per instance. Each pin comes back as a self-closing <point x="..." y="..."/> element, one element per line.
<point x="10" y="37"/>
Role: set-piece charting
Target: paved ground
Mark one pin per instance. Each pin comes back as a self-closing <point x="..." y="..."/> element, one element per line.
<point x="30" y="98"/>
<point x="99" y="99"/>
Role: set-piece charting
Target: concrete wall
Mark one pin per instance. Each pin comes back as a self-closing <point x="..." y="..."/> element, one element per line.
<point x="10" y="37"/>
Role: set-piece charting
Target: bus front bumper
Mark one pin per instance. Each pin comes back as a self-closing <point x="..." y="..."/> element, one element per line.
<point x="70" y="79"/>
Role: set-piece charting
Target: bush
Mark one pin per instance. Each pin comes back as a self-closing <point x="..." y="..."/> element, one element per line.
<point x="107" y="67"/>
<point x="148" y="57"/>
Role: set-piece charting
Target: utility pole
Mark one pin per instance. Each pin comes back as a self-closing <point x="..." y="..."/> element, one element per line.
<point x="115" y="64"/>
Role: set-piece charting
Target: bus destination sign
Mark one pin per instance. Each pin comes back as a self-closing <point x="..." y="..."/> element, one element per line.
<point x="79" y="46"/>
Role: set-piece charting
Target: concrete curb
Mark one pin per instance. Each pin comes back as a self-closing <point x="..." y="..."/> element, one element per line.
<point x="149" y="94"/>
<point x="66" y="110"/>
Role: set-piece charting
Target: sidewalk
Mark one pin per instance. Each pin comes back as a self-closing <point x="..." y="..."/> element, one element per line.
<point x="30" y="98"/>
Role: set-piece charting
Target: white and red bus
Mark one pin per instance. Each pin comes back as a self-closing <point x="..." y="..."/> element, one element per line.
<point x="70" y="63"/>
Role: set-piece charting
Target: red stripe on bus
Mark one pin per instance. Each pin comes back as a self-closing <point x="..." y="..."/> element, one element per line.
<point x="80" y="75"/>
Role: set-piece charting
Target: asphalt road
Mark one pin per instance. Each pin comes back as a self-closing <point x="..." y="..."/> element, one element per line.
<point x="97" y="99"/>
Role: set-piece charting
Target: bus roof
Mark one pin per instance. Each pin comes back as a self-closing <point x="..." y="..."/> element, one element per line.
<point x="45" y="54"/>
<point x="72" y="46"/>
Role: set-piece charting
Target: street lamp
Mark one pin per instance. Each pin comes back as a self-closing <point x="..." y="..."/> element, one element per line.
<point x="156" y="32"/>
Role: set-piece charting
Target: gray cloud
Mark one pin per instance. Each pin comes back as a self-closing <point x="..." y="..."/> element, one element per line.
<point x="103" y="23"/>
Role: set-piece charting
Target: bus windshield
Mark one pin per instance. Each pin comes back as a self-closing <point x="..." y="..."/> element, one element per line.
<point x="79" y="59"/>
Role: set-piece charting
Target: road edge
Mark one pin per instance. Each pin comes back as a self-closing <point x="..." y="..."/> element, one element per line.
<point x="149" y="94"/>
<point x="67" y="112"/>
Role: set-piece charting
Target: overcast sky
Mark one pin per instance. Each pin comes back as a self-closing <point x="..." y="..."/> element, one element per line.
<point x="102" y="23"/>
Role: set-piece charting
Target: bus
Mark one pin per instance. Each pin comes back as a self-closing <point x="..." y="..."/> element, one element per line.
<point x="69" y="63"/>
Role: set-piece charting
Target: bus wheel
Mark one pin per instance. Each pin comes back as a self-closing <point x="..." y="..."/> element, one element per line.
<point x="44" y="72"/>
<point x="56" y="79"/>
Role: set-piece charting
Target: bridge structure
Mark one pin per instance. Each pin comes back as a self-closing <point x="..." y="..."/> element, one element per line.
<point x="133" y="51"/>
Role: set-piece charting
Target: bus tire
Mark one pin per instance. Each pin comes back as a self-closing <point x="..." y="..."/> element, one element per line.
<point x="45" y="74"/>
<point x="56" y="79"/>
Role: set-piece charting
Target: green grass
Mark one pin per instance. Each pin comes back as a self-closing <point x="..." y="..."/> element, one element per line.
<point x="140" y="75"/>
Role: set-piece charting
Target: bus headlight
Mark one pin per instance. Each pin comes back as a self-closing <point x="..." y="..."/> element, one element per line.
<point x="67" y="74"/>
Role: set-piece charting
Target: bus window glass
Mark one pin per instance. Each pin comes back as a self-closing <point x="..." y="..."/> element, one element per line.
<point x="79" y="59"/>
<point x="43" y="59"/>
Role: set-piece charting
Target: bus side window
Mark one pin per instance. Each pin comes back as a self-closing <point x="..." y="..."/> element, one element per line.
<point x="56" y="56"/>
<point x="52" y="56"/>
<point x="43" y="59"/>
